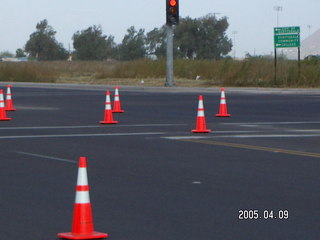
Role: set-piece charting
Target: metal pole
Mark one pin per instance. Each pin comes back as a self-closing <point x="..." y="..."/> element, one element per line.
<point x="169" y="80"/>
<point x="275" y="65"/>
<point x="299" y="65"/>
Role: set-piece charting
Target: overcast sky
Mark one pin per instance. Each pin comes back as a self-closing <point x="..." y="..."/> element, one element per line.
<point x="252" y="21"/>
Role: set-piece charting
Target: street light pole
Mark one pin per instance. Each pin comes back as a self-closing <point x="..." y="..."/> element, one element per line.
<point x="278" y="9"/>
<point x="234" y="43"/>
<point x="309" y="27"/>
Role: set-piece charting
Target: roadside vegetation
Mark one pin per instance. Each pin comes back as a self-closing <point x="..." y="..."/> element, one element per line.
<point x="201" y="48"/>
<point x="253" y="72"/>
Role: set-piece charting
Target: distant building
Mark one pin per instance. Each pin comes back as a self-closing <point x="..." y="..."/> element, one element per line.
<point x="309" y="47"/>
<point x="14" y="59"/>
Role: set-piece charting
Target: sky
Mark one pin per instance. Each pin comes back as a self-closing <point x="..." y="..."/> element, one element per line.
<point x="251" y="22"/>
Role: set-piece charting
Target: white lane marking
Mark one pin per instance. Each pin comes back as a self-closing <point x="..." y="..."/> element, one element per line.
<point x="36" y="108"/>
<point x="304" y="130"/>
<point x="81" y="135"/>
<point x="270" y="123"/>
<point x="90" y="126"/>
<point x="245" y="136"/>
<point x="47" y="157"/>
<point x="196" y="182"/>
<point x="236" y="131"/>
<point x="187" y="137"/>
<point x="270" y="136"/>
<point x="203" y="137"/>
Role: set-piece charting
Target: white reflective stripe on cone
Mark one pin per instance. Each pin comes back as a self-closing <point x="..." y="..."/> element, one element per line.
<point x="82" y="177"/>
<point x="223" y="101"/>
<point x="108" y="106"/>
<point x="200" y="113"/>
<point x="108" y="102"/>
<point x="1" y="101"/>
<point x="82" y="197"/>
<point x="200" y="105"/>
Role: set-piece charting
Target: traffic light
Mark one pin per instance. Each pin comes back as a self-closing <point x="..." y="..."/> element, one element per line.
<point x="172" y="12"/>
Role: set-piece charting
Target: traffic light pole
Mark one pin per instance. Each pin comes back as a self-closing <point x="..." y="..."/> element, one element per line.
<point x="169" y="80"/>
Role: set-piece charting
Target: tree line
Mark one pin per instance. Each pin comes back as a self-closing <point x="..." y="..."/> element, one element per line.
<point x="199" y="38"/>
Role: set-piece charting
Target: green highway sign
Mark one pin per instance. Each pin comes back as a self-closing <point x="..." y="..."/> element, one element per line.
<point x="286" y="37"/>
<point x="286" y="30"/>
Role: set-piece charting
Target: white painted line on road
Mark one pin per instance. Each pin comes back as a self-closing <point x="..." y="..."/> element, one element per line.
<point x="81" y="135"/>
<point x="202" y="136"/>
<point x="236" y="131"/>
<point x="47" y="157"/>
<point x="36" y="108"/>
<point x="305" y="130"/>
<point x="186" y="137"/>
<point x="270" y="136"/>
<point x="47" y="127"/>
<point x="154" y="125"/>
<point x="270" y="123"/>
<point x="244" y="136"/>
<point x="90" y="126"/>
<point x="196" y="182"/>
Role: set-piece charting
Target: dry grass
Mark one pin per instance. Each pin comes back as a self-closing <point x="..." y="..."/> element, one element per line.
<point x="252" y="73"/>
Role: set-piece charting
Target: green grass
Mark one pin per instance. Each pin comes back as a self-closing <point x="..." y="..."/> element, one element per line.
<point x="246" y="73"/>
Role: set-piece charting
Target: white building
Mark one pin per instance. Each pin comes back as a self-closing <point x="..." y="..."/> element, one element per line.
<point x="309" y="46"/>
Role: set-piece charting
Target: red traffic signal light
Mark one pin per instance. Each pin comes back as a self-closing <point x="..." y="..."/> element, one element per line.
<point x="172" y="12"/>
<point x="173" y="3"/>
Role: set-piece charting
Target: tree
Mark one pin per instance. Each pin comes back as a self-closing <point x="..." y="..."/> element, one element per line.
<point x="42" y="44"/>
<point x="20" y="53"/>
<point x="91" y="44"/>
<point x="216" y="44"/>
<point x="187" y="37"/>
<point x="156" y="42"/>
<point x="133" y="45"/>
<point x="200" y="38"/>
<point x="6" y="54"/>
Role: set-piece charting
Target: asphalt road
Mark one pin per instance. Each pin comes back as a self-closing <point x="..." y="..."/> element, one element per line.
<point x="151" y="178"/>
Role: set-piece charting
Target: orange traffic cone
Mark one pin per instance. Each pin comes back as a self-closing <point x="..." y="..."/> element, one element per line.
<point x="223" y="112"/>
<point x="108" y="118"/>
<point x="82" y="224"/>
<point x="9" y="103"/>
<point x="116" y="102"/>
<point x="201" y="120"/>
<point x="3" y="113"/>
